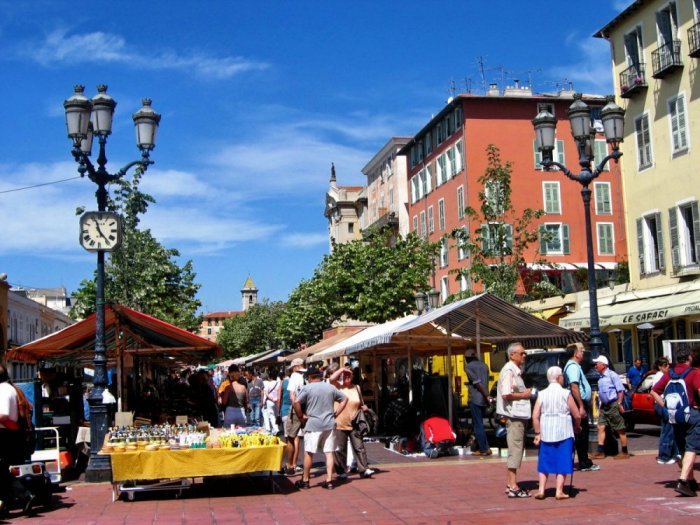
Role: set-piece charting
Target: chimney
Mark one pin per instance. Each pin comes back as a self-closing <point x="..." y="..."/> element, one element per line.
<point x="493" y="90"/>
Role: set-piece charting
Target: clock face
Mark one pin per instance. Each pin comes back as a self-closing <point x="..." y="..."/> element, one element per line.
<point x="100" y="231"/>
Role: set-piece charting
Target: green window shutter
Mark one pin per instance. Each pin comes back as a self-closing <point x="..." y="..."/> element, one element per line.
<point x="538" y="156"/>
<point x="543" y="236"/>
<point x="640" y="245"/>
<point x="660" y="243"/>
<point x="673" y="229"/>
<point x="560" y="152"/>
<point x="509" y="238"/>
<point x="565" y="239"/>
<point x="600" y="150"/>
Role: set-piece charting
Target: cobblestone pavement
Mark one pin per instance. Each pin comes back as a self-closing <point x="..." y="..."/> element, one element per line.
<point x="405" y="490"/>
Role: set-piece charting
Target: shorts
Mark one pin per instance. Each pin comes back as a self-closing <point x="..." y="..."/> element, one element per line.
<point x="610" y="415"/>
<point x="323" y="441"/>
<point x="292" y="427"/>
<point x="692" y="437"/>
<point x="515" y="438"/>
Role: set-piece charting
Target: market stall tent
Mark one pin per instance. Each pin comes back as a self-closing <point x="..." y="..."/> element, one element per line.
<point x="128" y="334"/>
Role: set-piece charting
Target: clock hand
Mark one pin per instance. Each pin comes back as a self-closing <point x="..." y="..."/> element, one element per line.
<point x="100" y="232"/>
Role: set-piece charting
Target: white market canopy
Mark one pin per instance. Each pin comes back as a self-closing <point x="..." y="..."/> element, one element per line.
<point x="483" y="317"/>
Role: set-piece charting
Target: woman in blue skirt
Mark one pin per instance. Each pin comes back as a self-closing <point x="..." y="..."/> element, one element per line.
<point x="555" y="417"/>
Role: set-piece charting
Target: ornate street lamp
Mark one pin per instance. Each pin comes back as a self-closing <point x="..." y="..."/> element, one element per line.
<point x="427" y="301"/>
<point x="613" y="117"/>
<point x="100" y="231"/>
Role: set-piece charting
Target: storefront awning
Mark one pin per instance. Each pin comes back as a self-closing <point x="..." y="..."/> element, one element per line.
<point x="323" y="344"/>
<point x="650" y="310"/>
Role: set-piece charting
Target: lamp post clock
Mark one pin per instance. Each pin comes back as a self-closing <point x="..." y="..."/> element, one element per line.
<point x="100" y="230"/>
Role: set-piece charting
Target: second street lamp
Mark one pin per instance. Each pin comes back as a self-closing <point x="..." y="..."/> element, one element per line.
<point x="100" y="230"/>
<point x="579" y="113"/>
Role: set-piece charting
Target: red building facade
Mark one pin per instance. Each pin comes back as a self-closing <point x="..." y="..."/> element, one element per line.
<point x="447" y="157"/>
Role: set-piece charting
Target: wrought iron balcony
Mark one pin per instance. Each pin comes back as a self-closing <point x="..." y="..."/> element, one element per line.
<point x="694" y="40"/>
<point x="633" y="80"/>
<point x="666" y="59"/>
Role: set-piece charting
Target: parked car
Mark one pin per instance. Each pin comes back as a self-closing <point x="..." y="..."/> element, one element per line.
<point x="642" y="412"/>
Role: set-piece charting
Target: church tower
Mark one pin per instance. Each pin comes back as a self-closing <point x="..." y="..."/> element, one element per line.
<point x="249" y="294"/>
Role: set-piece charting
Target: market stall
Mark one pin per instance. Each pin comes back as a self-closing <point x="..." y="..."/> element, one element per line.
<point x="146" y="464"/>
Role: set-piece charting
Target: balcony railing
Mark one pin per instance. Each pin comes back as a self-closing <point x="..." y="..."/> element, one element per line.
<point x="666" y="59"/>
<point x="633" y="80"/>
<point x="694" y="40"/>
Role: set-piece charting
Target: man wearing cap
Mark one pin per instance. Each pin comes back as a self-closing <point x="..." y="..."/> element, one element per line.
<point x="478" y="376"/>
<point x="610" y="393"/>
<point x="292" y="427"/>
<point x="318" y="419"/>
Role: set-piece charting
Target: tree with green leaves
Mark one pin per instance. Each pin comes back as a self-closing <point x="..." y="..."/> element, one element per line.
<point x="371" y="280"/>
<point x="499" y="237"/>
<point x="142" y="274"/>
<point x="253" y="331"/>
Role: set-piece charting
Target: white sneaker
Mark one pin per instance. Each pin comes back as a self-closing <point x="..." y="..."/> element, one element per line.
<point x="367" y="473"/>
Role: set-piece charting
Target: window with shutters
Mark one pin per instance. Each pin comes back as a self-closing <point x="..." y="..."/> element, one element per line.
<point x="678" y="123"/>
<point x="431" y="220"/>
<point x="600" y="151"/>
<point x="497" y="239"/>
<point x="441" y="214"/>
<point x="460" y="202"/>
<point x="463" y="283"/>
<point x="423" y="227"/>
<point x="603" y="203"/>
<point x="452" y="162"/>
<point x="557" y="155"/>
<point x="684" y="226"/>
<point x="495" y="197"/>
<point x="643" y="136"/>
<point x="554" y="239"/>
<point x="462" y="251"/>
<point x="444" y="251"/>
<point x="441" y="168"/>
<point x="415" y="224"/>
<point x="459" y="157"/>
<point x="444" y="289"/>
<point x="606" y="240"/>
<point x="552" y="198"/>
<point x="650" y="244"/>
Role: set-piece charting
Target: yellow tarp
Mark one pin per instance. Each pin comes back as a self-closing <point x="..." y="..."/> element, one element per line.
<point x="194" y="462"/>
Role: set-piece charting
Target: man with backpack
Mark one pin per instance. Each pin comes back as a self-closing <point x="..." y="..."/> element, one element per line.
<point x="676" y="391"/>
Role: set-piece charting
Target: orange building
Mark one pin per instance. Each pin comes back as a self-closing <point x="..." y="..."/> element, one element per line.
<point x="448" y="156"/>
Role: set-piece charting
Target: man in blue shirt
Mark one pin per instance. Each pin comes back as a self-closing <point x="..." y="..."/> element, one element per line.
<point x="575" y="379"/>
<point x="635" y="374"/>
<point x="610" y="393"/>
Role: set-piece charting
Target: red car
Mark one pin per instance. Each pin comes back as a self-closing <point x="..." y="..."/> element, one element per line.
<point x="642" y="412"/>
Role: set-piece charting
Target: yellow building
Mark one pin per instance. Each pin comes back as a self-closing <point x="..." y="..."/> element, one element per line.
<point x="655" y="51"/>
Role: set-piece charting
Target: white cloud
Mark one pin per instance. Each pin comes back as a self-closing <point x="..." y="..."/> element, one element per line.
<point x="304" y="240"/>
<point x="592" y="73"/>
<point x="60" y="48"/>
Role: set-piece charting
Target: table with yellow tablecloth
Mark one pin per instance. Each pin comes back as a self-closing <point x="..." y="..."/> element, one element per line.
<point x="194" y="462"/>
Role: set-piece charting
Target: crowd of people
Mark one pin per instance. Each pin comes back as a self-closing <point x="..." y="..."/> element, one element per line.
<point x="560" y="416"/>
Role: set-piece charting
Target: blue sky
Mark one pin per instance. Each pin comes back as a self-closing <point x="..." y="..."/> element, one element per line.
<point x="257" y="99"/>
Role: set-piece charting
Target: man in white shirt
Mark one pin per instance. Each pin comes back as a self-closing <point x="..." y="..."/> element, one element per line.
<point x="513" y="403"/>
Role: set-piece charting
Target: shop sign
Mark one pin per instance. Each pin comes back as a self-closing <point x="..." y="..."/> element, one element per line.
<point x="641" y="317"/>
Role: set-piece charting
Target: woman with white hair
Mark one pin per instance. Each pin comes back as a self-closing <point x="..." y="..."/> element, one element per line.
<point x="554" y="432"/>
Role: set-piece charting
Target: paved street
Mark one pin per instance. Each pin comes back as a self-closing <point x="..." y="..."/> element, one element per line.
<point x="405" y="490"/>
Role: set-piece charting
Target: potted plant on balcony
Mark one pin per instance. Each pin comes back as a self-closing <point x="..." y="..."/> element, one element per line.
<point x="638" y="80"/>
<point x="624" y="87"/>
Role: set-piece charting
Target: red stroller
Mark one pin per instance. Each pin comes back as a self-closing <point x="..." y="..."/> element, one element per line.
<point x="437" y="437"/>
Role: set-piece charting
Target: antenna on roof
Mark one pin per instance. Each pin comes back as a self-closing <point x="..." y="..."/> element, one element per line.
<point x="452" y="89"/>
<point x="480" y="61"/>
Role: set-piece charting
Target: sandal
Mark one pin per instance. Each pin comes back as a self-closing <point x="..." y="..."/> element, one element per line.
<point x="328" y="485"/>
<point x="517" y="492"/>
<point x="301" y="484"/>
<point x="540" y="496"/>
<point x="562" y="496"/>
